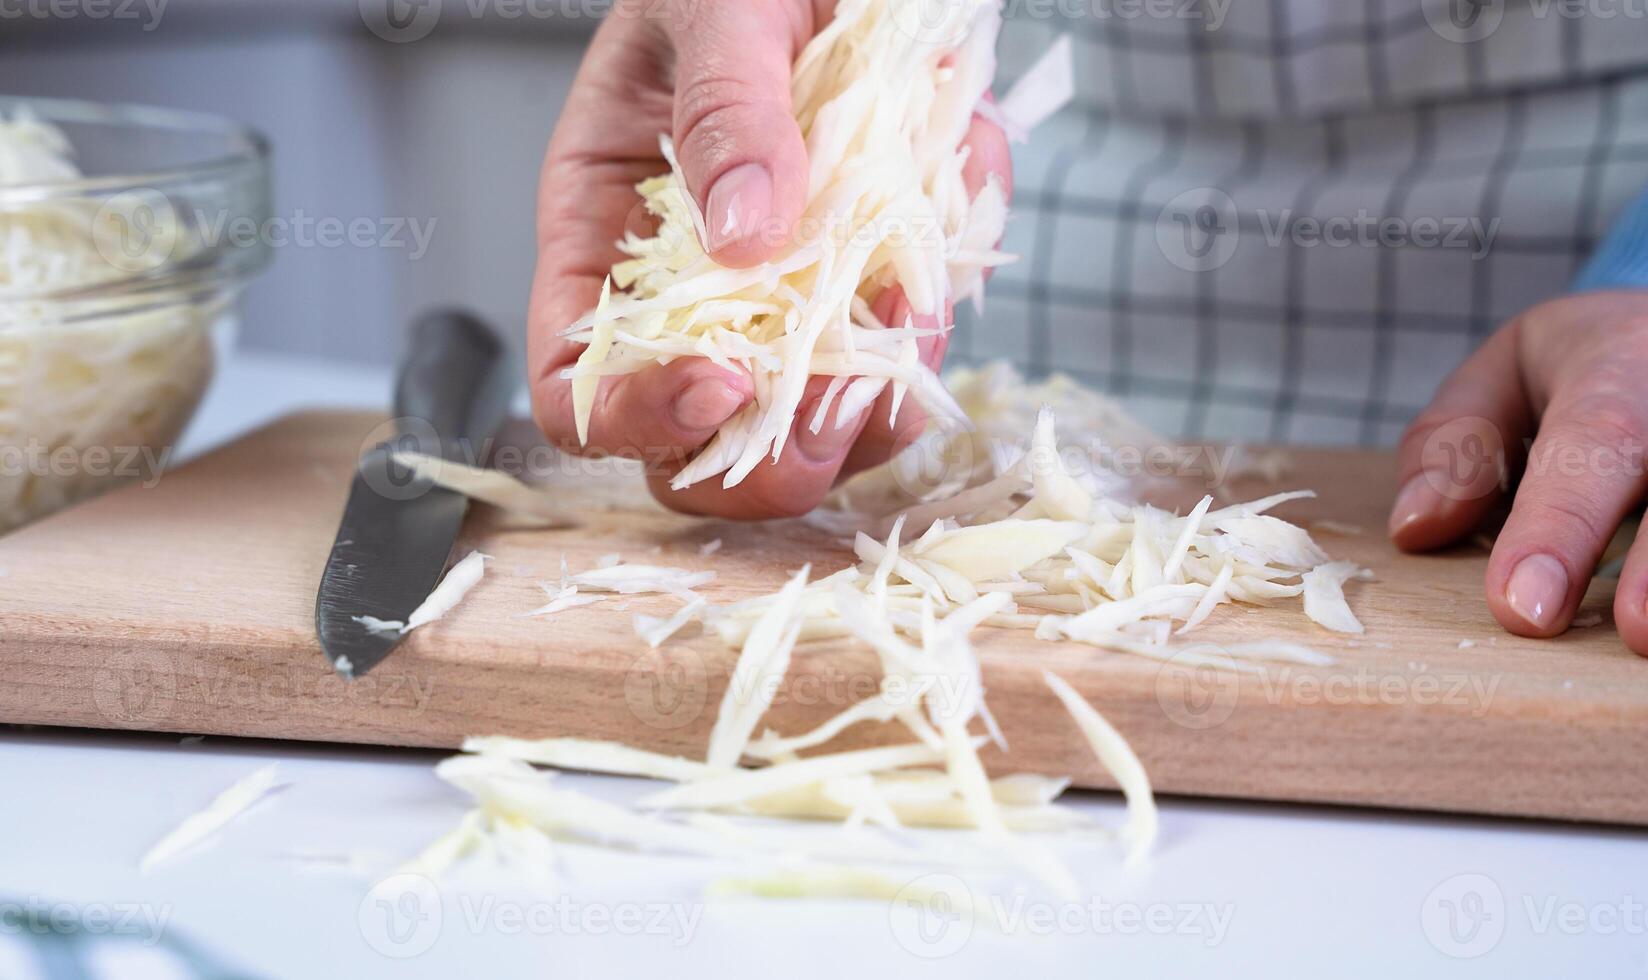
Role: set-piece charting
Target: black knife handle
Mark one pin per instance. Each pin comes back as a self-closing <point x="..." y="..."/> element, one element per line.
<point x="449" y="398"/>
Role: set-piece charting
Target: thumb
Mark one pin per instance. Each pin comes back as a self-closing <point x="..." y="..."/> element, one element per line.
<point x="735" y="134"/>
<point x="1455" y="460"/>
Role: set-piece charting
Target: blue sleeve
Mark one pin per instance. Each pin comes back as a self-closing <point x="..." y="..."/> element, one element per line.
<point x="1622" y="259"/>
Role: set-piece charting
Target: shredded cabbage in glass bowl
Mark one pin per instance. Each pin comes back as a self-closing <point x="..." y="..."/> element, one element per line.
<point x="126" y="235"/>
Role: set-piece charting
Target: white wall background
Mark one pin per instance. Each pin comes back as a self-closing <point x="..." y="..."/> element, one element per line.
<point x="448" y="130"/>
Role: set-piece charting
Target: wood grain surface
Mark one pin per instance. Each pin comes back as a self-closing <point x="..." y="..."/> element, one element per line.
<point x="187" y="607"/>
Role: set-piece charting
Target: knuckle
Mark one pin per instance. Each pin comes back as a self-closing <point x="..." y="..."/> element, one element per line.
<point x="1565" y="515"/>
<point x="1606" y="418"/>
<point x="1464" y="456"/>
<point x="708" y="111"/>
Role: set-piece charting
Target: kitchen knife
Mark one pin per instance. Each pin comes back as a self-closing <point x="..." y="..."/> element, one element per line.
<point x="397" y="532"/>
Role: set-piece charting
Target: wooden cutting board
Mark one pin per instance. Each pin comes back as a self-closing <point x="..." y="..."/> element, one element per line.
<point x="187" y="607"/>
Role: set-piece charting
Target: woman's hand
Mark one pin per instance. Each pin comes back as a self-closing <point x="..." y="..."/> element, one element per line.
<point x="1570" y="375"/>
<point x="716" y="75"/>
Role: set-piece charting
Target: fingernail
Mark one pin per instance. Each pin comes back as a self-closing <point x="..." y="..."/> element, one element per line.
<point x="829" y="442"/>
<point x="1538" y="589"/>
<point x="705" y="404"/>
<point x="740" y="200"/>
<point x="1417" y="499"/>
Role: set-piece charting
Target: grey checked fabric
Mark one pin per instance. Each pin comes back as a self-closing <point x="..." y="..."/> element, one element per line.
<point x="1288" y="220"/>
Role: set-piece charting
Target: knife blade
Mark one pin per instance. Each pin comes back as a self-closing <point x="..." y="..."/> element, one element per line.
<point x="396" y="534"/>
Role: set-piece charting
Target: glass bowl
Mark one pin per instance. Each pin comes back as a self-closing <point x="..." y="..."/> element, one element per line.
<point x="126" y="234"/>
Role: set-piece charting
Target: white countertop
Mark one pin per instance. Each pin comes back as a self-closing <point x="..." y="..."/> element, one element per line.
<point x="1233" y="889"/>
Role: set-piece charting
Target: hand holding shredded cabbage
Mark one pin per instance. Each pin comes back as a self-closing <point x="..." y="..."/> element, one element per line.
<point x="894" y="200"/>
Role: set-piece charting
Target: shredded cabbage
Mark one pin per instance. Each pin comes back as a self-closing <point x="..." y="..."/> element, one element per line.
<point x="103" y="374"/>
<point x="1325" y="596"/>
<point x="457" y="582"/>
<point x="1117" y="757"/>
<point x="884" y="105"/>
<point x="492" y="487"/>
<point x="223" y="809"/>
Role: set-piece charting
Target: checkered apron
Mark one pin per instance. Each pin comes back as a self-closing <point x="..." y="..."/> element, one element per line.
<point x="1288" y="220"/>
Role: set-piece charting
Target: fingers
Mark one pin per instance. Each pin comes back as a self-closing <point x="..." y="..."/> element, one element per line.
<point x="1631" y="595"/>
<point x="1454" y="460"/>
<point x="793" y="485"/>
<point x="1584" y="473"/>
<point x="988" y="154"/>
<point x="659" y="415"/>
<point x="586" y="199"/>
<point x="738" y="143"/>
<point x="885" y="436"/>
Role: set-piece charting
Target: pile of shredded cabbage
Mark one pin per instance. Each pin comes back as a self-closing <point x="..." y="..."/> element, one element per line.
<point x="1001" y="407"/>
<point x="935" y="779"/>
<point x="85" y="384"/>
<point x="1032" y="548"/>
<point x="1071" y="564"/>
<point x="884" y="96"/>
